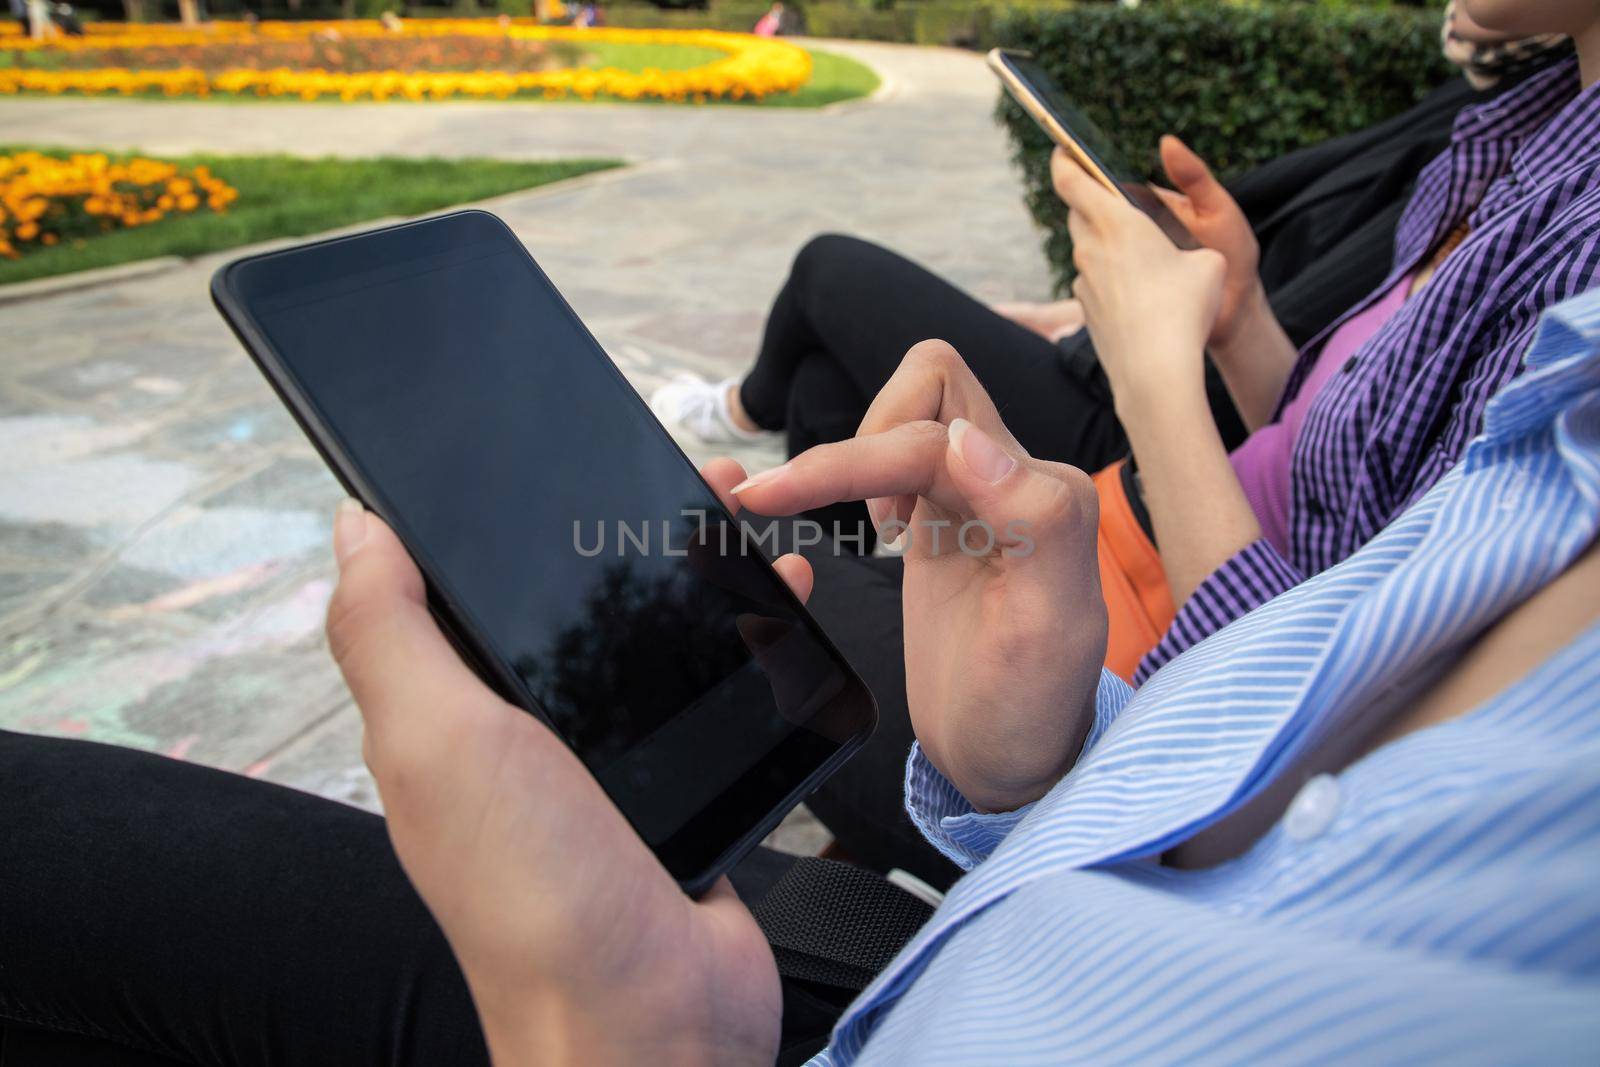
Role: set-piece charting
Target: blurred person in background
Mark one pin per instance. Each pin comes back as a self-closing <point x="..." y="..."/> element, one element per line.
<point x="66" y="19"/>
<point x="37" y="19"/>
<point x="770" y="24"/>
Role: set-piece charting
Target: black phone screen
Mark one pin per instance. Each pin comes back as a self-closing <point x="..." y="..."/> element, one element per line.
<point x="572" y="543"/>
<point x="1098" y="147"/>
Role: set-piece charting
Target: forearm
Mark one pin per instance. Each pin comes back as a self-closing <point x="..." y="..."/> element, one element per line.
<point x="532" y="1029"/>
<point x="558" y="1036"/>
<point x="1199" y="512"/>
<point x="1255" y="360"/>
<point x="950" y="821"/>
<point x="686" y="1017"/>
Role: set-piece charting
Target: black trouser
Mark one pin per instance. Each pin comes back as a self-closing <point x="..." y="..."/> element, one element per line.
<point x="846" y="316"/>
<point x="857" y="601"/>
<point x="154" y="912"/>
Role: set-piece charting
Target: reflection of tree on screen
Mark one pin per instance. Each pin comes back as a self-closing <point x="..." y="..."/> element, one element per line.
<point x="647" y="646"/>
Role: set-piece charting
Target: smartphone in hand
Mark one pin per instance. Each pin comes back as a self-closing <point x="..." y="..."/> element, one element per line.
<point x="1049" y="106"/>
<point x="571" y="551"/>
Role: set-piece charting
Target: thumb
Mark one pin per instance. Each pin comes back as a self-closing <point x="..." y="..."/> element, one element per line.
<point x="1189" y="173"/>
<point x="411" y="687"/>
<point x="1046" y="511"/>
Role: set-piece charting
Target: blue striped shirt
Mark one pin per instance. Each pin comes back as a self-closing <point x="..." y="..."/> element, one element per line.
<point x="1437" y="900"/>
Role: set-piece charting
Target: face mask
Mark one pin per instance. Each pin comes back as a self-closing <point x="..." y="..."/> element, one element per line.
<point x="1485" y="63"/>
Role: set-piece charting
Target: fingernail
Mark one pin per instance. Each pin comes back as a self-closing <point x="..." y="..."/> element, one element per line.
<point x="981" y="455"/>
<point x="349" y="529"/>
<point x="759" y="479"/>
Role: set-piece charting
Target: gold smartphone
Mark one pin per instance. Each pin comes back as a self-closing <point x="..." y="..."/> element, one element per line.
<point x="1048" y="105"/>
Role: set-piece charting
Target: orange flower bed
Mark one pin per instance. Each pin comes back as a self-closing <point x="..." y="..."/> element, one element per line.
<point x="752" y="67"/>
<point x="45" y="200"/>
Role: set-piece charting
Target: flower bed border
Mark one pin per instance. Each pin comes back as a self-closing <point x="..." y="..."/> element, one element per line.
<point x="753" y="68"/>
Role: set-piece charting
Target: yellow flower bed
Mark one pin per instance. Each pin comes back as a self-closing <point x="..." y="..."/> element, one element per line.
<point x="45" y="200"/>
<point x="753" y="67"/>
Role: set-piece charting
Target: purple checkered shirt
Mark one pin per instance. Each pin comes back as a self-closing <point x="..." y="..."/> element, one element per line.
<point x="1524" y="171"/>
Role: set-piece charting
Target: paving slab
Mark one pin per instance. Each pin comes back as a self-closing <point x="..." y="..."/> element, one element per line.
<point x="164" y="555"/>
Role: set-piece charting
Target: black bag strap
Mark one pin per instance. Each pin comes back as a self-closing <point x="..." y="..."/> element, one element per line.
<point x="836" y="924"/>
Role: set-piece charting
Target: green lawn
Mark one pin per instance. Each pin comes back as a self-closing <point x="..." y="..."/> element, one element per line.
<point x="833" y="77"/>
<point x="287" y="196"/>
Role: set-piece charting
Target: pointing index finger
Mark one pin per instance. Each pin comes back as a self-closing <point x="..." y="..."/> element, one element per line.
<point x="908" y="460"/>
<point x="1078" y="189"/>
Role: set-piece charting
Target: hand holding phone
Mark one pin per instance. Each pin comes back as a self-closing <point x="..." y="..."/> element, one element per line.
<point x="1040" y="96"/>
<point x="562" y="535"/>
<point x="567" y="929"/>
<point x="1149" y="306"/>
<point x="1210" y="218"/>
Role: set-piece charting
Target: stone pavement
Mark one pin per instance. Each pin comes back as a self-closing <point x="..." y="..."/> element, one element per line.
<point x="164" y="558"/>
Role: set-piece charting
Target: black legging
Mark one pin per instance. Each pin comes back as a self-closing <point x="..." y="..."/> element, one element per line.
<point x="845" y="318"/>
<point x="154" y="912"/>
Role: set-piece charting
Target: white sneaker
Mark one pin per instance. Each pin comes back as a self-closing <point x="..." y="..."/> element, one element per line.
<point x="701" y="407"/>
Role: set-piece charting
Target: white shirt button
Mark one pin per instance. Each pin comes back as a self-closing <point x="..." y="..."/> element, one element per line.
<point x="1313" y="809"/>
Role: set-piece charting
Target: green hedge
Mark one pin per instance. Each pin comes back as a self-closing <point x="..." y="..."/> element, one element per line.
<point x="1241" y="85"/>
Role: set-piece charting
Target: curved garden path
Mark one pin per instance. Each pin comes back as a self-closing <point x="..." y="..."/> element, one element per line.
<point x="163" y="548"/>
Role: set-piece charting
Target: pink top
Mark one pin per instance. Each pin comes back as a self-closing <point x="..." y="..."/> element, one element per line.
<point x="1262" y="462"/>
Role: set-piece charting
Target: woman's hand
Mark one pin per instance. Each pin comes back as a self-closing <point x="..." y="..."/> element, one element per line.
<point x="577" y="945"/>
<point x="1243" y="336"/>
<point x="1209" y="212"/>
<point x="1052" y="321"/>
<point x="1149" y="306"/>
<point x="1005" y="625"/>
